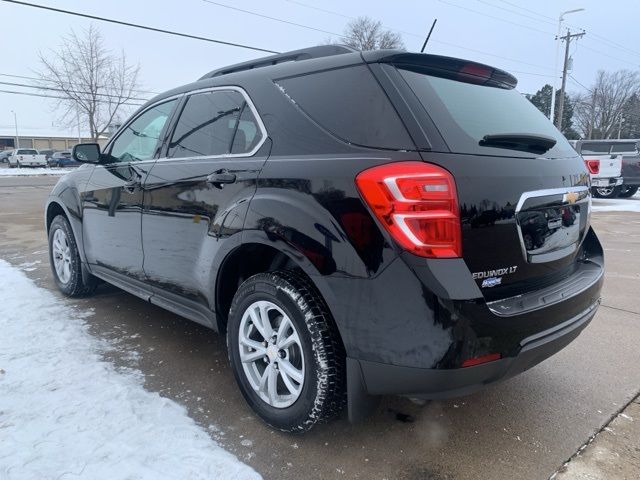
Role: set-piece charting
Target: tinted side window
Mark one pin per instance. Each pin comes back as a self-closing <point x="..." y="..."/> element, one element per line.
<point x="349" y="103"/>
<point x="141" y="138"/>
<point x="206" y="125"/>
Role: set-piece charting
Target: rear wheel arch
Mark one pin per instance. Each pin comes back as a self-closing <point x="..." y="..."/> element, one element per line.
<point x="249" y="259"/>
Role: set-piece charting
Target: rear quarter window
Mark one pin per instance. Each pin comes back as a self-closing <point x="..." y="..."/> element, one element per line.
<point x="351" y="105"/>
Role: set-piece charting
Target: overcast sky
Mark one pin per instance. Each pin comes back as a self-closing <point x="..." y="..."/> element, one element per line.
<point x="516" y="35"/>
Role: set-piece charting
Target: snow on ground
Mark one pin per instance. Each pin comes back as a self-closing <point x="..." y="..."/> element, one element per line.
<point x="23" y="172"/>
<point x="67" y="413"/>
<point x="616" y="204"/>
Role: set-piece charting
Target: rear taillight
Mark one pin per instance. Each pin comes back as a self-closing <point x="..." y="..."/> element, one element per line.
<point x="418" y="205"/>
<point x="593" y="166"/>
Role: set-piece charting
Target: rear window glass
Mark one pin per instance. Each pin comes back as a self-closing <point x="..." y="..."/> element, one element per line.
<point x="629" y="148"/>
<point x="27" y="152"/>
<point x="595" y="148"/>
<point x="464" y="113"/>
<point x="349" y="103"/>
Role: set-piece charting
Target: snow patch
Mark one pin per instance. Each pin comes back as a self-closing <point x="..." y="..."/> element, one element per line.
<point x="66" y="412"/>
<point x="616" y="205"/>
<point x="27" y="172"/>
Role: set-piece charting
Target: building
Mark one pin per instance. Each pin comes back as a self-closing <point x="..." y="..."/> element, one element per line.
<point x="42" y="138"/>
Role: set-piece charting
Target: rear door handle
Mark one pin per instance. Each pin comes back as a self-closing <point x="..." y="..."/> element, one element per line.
<point x="219" y="178"/>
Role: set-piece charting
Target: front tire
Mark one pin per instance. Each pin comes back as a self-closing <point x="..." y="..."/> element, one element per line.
<point x="285" y="351"/>
<point x="605" y="192"/>
<point x="628" y="191"/>
<point x="65" y="260"/>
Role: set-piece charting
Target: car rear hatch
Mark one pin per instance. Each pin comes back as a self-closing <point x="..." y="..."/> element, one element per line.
<point x="602" y="161"/>
<point x="522" y="189"/>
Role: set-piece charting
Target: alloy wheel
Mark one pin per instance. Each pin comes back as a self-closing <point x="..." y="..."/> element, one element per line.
<point x="271" y="354"/>
<point x="61" y="255"/>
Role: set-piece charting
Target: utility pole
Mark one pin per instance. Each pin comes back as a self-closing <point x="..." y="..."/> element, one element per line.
<point x="592" y="114"/>
<point x="554" y="88"/>
<point x="620" y="126"/>
<point x="567" y="38"/>
<point x="15" y="122"/>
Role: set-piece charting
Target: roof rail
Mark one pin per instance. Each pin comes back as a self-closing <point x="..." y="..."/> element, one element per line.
<point x="293" y="56"/>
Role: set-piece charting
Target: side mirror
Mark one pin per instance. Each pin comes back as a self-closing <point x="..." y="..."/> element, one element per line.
<point x="86" y="153"/>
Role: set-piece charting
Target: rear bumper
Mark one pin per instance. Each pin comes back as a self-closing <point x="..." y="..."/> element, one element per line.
<point x="606" y="182"/>
<point x="421" y="352"/>
<point x="383" y="379"/>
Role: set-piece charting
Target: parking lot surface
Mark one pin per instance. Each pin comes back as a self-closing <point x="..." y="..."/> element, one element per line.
<point x="526" y="427"/>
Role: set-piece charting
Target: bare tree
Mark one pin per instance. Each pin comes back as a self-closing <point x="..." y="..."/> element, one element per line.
<point x="364" y="33"/>
<point x="598" y="113"/>
<point x="94" y="83"/>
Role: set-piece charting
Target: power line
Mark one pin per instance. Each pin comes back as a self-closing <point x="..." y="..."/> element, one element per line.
<point x="600" y="37"/>
<point x="478" y="12"/>
<point x="396" y="30"/>
<point x="516" y="12"/>
<point x="40" y="79"/>
<point x="528" y="10"/>
<point x="70" y="91"/>
<point x="256" y="14"/>
<point x="30" y="94"/>
<point x="136" y="25"/>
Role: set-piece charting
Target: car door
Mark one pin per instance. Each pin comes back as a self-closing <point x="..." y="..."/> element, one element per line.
<point x="196" y="197"/>
<point x="112" y="200"/>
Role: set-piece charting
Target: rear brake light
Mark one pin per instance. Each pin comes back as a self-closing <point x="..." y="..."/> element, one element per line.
<point x="491" y="357"/>
<point x="417" y="204"/>
<point x="593" y="166"/>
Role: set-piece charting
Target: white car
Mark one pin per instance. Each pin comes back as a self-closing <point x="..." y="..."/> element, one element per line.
<point x="27" y="157"/>
<point x="604" y="165"/>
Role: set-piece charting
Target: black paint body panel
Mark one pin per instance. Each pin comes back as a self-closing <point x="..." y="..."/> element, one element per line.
<point x="297" y="195"/>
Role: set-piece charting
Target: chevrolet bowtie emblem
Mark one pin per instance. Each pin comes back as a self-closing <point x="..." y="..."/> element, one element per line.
<point x="570" y="197"/>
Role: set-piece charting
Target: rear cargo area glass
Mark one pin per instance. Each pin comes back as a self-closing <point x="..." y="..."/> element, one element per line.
<point x="464" y="113"/>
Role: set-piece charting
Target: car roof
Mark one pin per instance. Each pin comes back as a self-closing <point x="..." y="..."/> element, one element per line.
<point x="323" y="57"/>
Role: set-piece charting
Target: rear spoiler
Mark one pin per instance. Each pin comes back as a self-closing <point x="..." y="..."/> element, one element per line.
<point x="445" y="67"/>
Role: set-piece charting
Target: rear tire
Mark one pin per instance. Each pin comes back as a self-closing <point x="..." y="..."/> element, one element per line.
<point x="315" y="390"/>
<point x="65" y="260"/>
<point x="628" y="191"/>
<point x="605" y="192"/>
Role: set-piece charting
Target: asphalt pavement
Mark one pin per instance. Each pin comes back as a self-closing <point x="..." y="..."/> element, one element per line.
<point x="526" y="427"/>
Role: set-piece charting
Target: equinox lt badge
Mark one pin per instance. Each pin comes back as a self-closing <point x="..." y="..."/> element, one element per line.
<point x="493" y="278"/>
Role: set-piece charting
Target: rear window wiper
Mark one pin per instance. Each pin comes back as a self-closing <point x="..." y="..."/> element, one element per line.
<point x="524" y="142"/>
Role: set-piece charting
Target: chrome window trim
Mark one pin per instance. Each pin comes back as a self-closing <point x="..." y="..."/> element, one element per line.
<point x="240" y="90"/>
<point x="252" y="152"/>
<point x="122" y="129"/>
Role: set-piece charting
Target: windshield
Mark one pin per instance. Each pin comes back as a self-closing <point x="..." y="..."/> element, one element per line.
<point x="465" y="113"/>
<point x="27" y="152"/>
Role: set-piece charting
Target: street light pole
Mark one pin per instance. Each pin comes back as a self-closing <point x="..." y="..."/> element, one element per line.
<point x="554" y="84"/>
<point x="15" y="122"/>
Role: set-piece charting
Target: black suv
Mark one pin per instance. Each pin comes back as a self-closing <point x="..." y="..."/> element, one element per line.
<point x="354" y="222"/>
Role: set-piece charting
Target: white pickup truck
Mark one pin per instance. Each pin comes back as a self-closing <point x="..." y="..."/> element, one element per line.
<point x="27" y="157"/>
<point x="604" y="165"/>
